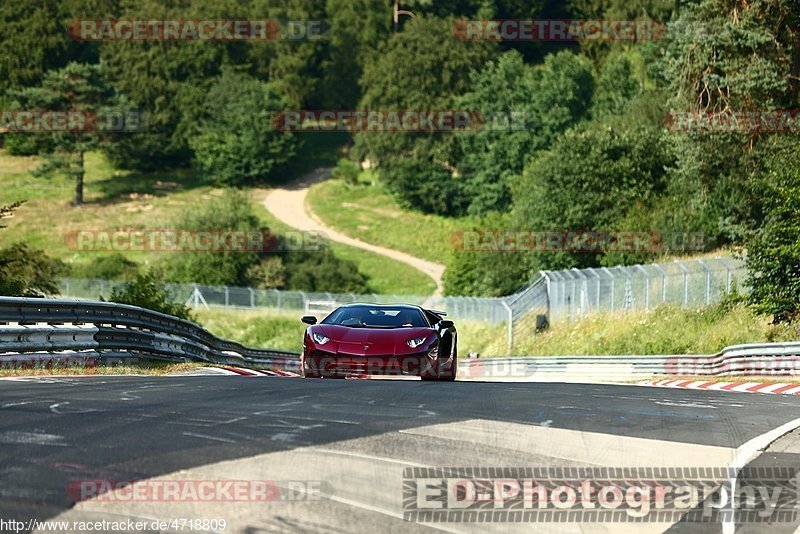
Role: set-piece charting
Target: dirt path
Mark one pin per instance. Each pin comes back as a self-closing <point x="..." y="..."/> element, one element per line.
<point x="288" y="203"/>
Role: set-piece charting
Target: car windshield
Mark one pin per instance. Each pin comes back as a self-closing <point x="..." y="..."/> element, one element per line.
<point x="376" y="317"/>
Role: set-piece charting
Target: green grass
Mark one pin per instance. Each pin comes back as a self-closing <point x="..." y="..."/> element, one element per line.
<point x="121" y="199"/>
<point x="368" y="212"/>
<point x="114" y="200"/>
<point x="257" y="328"/>
<point x="665" y="330"/>
<point x="386" y="276"/>
<point x="142" y="367"/>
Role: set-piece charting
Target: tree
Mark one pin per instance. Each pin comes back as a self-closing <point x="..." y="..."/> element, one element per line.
<point x="589" y="180"/>
<point x="719" y="57"/>
<point x="526" y="108"/>
<point x="491" y="273"/>
<point x="28" y="272"/>
<point x="168" y="80"/>
<point x="148" y="291"/>
<point x="616" y="87"/>
<point x="320" y="270"/>
<point x="76" y="87"/>
<point x="235" y="143"/>
<point x="773" y="255"/>
<point x="216" y="267"/>
<point x="357" y="28"/>
<point x="423" y="68"/>
<point x="33" y="41"/>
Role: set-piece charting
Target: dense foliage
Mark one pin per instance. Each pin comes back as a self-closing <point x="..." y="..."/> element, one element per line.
<point x="586" y="145"/>
<point x="28" y="272"/>
<point x="147" y="290"/>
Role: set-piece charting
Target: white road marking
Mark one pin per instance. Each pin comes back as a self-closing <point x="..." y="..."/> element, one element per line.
<point x="575" y="445"/>
<point x="54" y="408"/>
<point x="747" y="452"/>
<point x="212" y="438"/>
<point x="32" y="438"/>
<point x="368" y="457"/>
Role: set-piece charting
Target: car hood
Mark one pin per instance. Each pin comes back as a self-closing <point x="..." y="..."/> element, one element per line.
<point x="377" y="341"/>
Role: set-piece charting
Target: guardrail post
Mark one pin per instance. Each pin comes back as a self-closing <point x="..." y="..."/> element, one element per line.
<point x="252" y="297"/>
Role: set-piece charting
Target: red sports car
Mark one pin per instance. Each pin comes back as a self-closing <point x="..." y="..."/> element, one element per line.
<point x="373" y="339"/>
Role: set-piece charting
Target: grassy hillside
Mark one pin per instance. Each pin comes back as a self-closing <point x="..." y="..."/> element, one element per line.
<point x="121" y="199"/>
<point x="368" y="212"/>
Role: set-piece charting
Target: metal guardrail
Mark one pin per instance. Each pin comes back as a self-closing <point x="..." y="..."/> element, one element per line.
<point x="762" y="359"/>
<point x="106" y="329"/>
<point x="40" y="330"/>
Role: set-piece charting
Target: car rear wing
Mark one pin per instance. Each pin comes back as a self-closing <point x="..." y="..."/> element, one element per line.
<point x="437" y="312"/>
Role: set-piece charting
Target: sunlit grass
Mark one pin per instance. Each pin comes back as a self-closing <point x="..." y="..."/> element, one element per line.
<point x="368" y="212"/>
<point x="386" y="276"/>
<point x="665" y="330"/>
<point x="141" y="367"/>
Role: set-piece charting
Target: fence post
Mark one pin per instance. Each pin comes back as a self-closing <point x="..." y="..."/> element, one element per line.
<point x="510" y="324"/>
<point x="663" y="282"/>
<point x="227" y="297"/>
<point x="597" y="296"/>
<point x="685" y="283"/>
<point x="611" y="276"/>
<point x="546" y="275"/>
<point x="727" y="265"/>
<point x="708" y="281"/>
<point x="646" y="286"/>
<point x="252" y="297"/>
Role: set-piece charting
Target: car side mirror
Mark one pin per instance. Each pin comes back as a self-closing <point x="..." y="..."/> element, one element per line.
<point x="309" y="319"/>
<point x="445" y="323"/>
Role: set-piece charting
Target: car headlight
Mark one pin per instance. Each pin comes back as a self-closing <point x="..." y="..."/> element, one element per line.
<point x="416" y="342"/>
<point x="319" y="339"/>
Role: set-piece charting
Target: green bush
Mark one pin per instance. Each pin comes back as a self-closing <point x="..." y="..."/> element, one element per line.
<point x="347" y="171"/>
<point x="148" y="291"/>
<point x="112" y="267"/>
<point x="269" y="273"/>
<point x="232" y="211"/>
<point x="773" y="255"/>
<point x="27" y="272"/>
<point x="237" y="144"/>
<point x="320" y="270"/>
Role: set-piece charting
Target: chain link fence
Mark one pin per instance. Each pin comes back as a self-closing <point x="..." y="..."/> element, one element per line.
<point x="490" y="310"/>
<point x="554" y="296"/>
